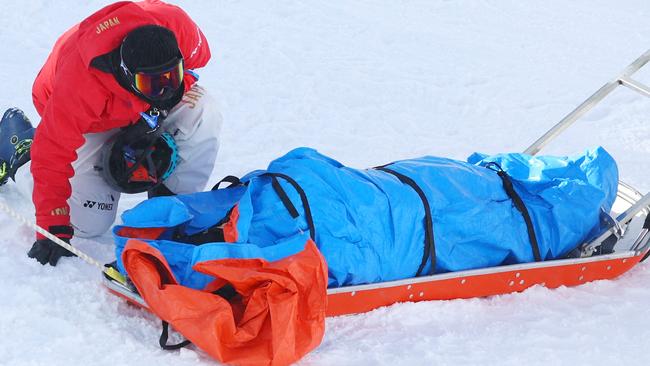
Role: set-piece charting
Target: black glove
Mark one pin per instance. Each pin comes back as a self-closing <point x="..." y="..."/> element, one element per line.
<point x="46" y="251"/>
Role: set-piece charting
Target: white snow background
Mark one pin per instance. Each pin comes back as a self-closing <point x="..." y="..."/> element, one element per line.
<point x="366" y="82"/>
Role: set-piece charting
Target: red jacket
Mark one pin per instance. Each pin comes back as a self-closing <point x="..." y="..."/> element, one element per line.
<point x="74" y="98"/>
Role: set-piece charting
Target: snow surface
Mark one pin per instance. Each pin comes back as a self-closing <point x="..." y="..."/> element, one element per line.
<point x="366" y="82"/>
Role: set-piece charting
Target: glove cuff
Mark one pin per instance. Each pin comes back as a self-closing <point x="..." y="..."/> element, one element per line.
<point x="60" y="231"/>
<point x="49" y="221"/>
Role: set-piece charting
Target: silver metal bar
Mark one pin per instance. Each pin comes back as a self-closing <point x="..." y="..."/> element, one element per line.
<point x="637" y="64"/>
<point x="567" y="121"/>
<point x="635" y="85"/>
<point x="637" y="207"/>
<point x="125" y="291"/>
<point x="590" y="102"/>
<point x="622" y="219"/>
<point x="641" y="242"/>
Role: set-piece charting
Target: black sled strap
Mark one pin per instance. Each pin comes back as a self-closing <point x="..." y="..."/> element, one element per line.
<point x="429" y="242"/>
<point x="287" y="202"/>
<point x="227" y="292"/>
<point x="284" y="197"/>
<point x="165" y="335"/>
<point x="519" y="204"/>
<point x="646" y="225"/>
<point x="234" y="182"/>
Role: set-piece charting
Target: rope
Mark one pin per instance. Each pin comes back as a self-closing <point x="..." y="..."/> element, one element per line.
<point x="109" y="271"/>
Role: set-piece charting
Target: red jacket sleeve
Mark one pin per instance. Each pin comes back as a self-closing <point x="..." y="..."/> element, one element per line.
<point x="67" y="115"/>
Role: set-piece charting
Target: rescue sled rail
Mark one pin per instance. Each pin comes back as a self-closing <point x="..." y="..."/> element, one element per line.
<point x="484" y="271"/>
<point x="637" y="210"/>
<point x="624" y="79"/>
<point x="125" y="292"/>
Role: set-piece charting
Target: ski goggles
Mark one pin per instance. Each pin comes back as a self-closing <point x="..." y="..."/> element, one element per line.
<point x="157" y="82"/>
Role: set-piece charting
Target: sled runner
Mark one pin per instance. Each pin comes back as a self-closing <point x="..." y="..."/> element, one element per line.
<point x="623" y="243"/>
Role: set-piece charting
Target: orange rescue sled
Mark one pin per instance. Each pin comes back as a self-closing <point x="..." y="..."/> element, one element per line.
<point x="620" y="247"/>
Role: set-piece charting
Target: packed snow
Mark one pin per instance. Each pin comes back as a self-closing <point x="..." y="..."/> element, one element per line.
<point x="366" y="82"/>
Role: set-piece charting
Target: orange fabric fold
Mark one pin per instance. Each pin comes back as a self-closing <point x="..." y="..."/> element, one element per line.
<point x="277" y="316"/>
<point x="230" y="233"/>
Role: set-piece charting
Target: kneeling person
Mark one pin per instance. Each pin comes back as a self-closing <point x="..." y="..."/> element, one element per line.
<point x="120" y="113"/>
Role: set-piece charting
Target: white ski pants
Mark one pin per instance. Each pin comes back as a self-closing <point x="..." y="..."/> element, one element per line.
<point x="195" y="124"/>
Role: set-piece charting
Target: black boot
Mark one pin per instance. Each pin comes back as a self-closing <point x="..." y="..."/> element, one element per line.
<point x="16" y="136"/>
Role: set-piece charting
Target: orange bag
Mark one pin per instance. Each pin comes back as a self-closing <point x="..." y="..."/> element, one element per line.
<point x="277" y="317"/>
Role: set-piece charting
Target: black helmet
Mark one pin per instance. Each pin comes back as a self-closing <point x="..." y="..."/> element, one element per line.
<point x="152" y="63"/>
<point x="134" y="163"/>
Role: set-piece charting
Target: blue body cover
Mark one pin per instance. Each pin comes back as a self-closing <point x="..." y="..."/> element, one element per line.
<point x="370" y="226"/>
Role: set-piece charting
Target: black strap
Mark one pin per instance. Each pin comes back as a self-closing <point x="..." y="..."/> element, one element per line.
<point x="519" y="204"/>
<point x="160" y="190"/>
<point x="287" y="202"/>
<point x="142" y="157"/>
<point x="429" y="241"/>
<point x="646" y="225"/>
<point x="142" y="132"/>
<point x="284" y="198"/>
<point x="210" y="235"/>
<point x="227" y="292"/>
<point x="165" y="335"/>
<point x="234" y="181"/>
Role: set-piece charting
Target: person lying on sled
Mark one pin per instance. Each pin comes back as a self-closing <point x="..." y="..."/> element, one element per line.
<point x="405" y="219"/>
<point x="117" y="87"/>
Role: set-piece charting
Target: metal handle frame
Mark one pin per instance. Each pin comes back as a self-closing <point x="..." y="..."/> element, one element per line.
<point x="625" y="79"/>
